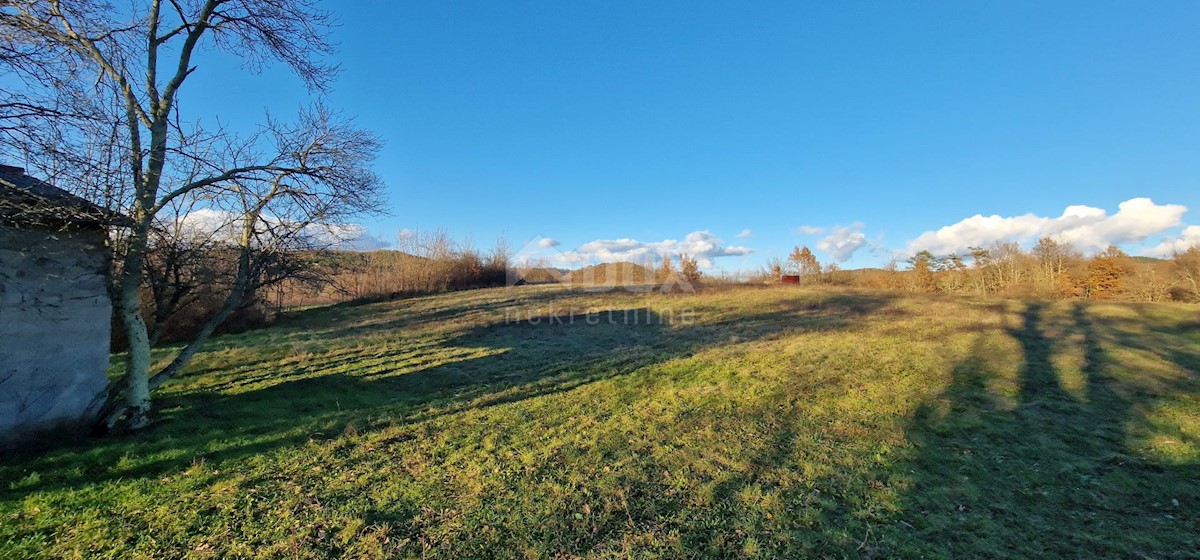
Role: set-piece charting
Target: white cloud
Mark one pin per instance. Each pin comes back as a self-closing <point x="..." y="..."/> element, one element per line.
<point x="744" y="234"/>
<point x="212" y="225"/>
<point x="810" y="230"/>
<point x="702" y="245"/>
<point x="205" y="224"/>
<point x="547" y="242"/>
<point x="1190" y="237"/>
<point x="1085" y="227"/>
<point x="349" y="237"/>
<point x="842" y="242"/>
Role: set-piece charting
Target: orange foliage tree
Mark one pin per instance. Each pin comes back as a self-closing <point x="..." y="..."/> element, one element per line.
<point x="1106" y="273"/>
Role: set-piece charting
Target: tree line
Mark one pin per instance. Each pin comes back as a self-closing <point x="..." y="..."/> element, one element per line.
<point x="672" y="273"/>
<point x="423" y="262"/>
<point x="1049" y="269"/>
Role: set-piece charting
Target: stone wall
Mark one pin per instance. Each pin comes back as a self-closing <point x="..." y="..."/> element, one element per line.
<point x="55" y="316"/>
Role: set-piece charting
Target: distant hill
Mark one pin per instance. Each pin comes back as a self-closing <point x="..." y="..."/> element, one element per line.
<point x="378" y="256"/>
<point x="539" y="275"/>
<point x="616" y="274"/>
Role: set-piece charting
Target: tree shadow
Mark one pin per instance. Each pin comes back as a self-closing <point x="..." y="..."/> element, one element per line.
<point x="421" y="310"/>
<point x="1051" y="475"/>
<point x="265" y="408"/>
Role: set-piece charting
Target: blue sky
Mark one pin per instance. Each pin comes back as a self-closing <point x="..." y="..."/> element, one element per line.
<point x="648" y="121"/>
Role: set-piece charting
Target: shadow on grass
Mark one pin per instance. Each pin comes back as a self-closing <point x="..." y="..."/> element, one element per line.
<point x="354" y="388"/>
<point x="1052" y="477"/>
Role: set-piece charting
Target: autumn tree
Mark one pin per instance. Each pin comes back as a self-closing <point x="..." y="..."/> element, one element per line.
<point x="689" y="269"/>
<point x="1106" y="273"/>
<point x="804" y="262"/>
<point x="127" y="142"/>
<point x="923" y="279"/>
<point x="794" y="258"/>
<point x="666" y="270"/>
<point x="1071" y="283"/>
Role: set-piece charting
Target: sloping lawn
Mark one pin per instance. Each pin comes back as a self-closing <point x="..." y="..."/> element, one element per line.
<point x="759" y="423"/>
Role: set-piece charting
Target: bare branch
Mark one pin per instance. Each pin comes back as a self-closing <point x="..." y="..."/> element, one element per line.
<point x="93" y="109"/>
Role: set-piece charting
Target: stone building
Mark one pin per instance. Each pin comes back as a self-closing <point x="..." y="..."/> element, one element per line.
<point x="55" y="311"/>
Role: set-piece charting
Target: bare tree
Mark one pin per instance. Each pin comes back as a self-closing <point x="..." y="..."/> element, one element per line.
<point x="1187" y="271"/>
<point x="774" y="269"/>
<point x="1053" y="258"/>
<point x="123" y="135"/>
<point x="177" y="268"/>
<point x="1007" y="265"/>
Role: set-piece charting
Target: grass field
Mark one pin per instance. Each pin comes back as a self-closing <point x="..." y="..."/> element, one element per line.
<point x="755" y="423"/>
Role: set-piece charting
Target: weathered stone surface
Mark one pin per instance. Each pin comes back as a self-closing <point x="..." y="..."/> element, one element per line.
<point x="55" y="316"/>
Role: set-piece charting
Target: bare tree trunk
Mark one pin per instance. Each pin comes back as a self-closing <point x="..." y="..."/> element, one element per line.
<point x="137" y="390"/>
<point x="132" y="397"/>
<point x="321" y="164"/>
<point x="134" y="402"/>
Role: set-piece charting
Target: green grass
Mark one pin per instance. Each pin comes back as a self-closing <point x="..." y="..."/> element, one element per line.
<point x="766" y="423"/>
